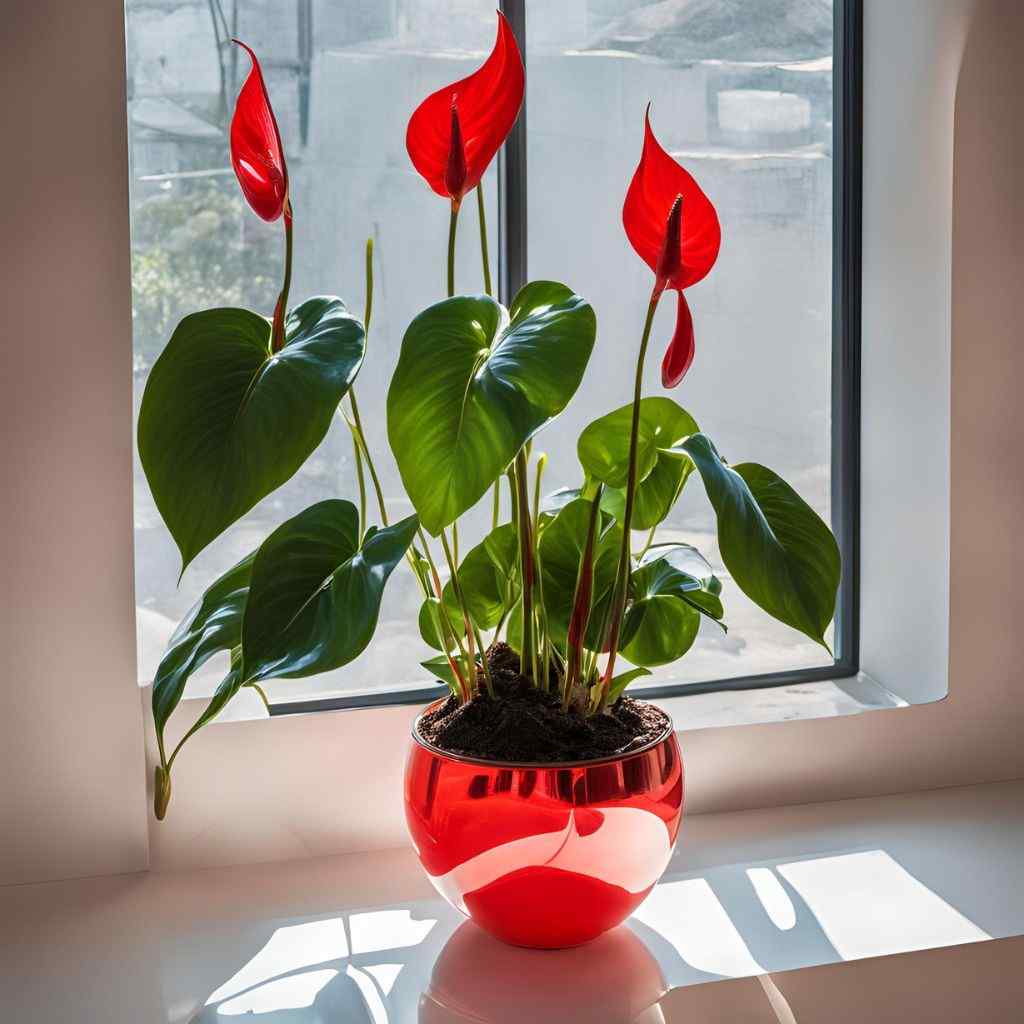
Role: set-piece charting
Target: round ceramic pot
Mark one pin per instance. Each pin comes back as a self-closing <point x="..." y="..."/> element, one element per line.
<point x="545" y="855"/>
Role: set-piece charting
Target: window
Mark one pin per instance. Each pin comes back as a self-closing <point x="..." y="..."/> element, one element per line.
<point x="742" y="92"/>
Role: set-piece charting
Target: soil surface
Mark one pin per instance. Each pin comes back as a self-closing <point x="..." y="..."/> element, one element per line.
<point x="527" y="724"/>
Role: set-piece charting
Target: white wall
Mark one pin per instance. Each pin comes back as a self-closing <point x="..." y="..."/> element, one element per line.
<point x="72" y="783"/>
<point x="70" y="748"/>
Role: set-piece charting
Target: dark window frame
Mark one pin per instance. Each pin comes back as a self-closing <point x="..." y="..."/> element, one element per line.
<point x="847" y="72"/>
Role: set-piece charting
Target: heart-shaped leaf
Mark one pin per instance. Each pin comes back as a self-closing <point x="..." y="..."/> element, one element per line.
<point x="315" y="592"/>
<point x="427" y="619"/>
<point x="212" y="625"/>
<point x="561" y="551"/>
<point x="603" y="451"/>
<point x="487" y="575"/>
<point x="224" y="421"/>
<point x="779" y="552"/>
<point x="660" y="625"/>
<point x="472" y="386"/>
<point x="684" y="572"/>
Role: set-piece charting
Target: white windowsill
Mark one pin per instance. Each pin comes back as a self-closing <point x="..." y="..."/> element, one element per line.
<point x="747" y="893"/>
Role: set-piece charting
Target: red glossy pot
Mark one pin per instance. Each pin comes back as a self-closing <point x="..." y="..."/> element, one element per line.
<point x="545" y="855"/>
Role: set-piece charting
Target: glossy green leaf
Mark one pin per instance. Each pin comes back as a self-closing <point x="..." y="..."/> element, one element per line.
<point x="474" y="383"/>
<point x="687" y="574"/>
<point x="487" y="575"/>
<point x="561" y="550"/>
<point x="223" y="421"/>
<point x="315" y="592"/>
<point x="213" y="624"/>
<point x="554" y="502"/>
<point x="603" y="451"/>
<point x="441" y="670"/>
<point x="427" y="620"/>
<point x="660" y="625"/>
<point x="778" y="550"/>
<point x="621" y="681"/>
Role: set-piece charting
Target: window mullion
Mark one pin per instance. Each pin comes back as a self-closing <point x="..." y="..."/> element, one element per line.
<point x="512" y="268"/>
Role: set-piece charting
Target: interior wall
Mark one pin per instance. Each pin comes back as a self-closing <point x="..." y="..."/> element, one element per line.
<point x="72" y="775"/>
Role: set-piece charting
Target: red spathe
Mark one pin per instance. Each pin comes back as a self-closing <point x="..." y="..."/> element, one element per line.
<point x="487" y="104"/>
<point x="658" y="183"/>
<point x="256" y="152"/>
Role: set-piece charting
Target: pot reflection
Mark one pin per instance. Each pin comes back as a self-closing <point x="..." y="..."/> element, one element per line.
<point x="545" y="856"/>
<point x="479" y="980"/>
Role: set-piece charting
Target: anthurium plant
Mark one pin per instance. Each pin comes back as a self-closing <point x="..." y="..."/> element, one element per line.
<point x="238" y="401"/>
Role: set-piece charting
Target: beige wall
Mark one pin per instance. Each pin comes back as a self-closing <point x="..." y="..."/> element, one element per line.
<point x="71" y="768"/>
<point x="71" y="762"/>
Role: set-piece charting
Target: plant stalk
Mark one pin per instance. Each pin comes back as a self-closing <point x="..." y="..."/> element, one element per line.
<point x="449" y="637"/>
<point x="263" y="694"/>
<point x="582" y="603"/>
<point x="619" y="592"/>
<point x="361" y="481"/>
<point x="368" y="306"/>
<point x="528" y="655"/>
<point x="281" y="308"/>
<point x="544" y="637"/>
<point x="471" y="632"/>
<point x="452" y="223"/>
<point x="483" y="236"/>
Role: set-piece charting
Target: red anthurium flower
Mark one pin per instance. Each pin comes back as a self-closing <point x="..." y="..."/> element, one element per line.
<point x="256" y="152"/>
<point x="673" y="226"/>
<point x="258" y="159"/>
<point x="455" y="132"/>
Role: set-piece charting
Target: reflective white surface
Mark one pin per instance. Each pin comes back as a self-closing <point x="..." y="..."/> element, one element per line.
<point x="363" y="938"/>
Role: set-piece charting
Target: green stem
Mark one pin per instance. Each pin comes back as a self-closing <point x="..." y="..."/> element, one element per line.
<point x="471" y="630"/>
<point x="281" y="308"/>
<point x="528" y="655"/>
<point x="544" y="639"/>
<point x="496" y="508"/>
<point x="451" y="247"/>
<point x="263" y="696"/>
<point x="576" y="651"/>
<point x="449" y="637"/>
<point x="618" y="604"/>
<point x="501" y="623"/>
<point x="453" y="576"/>
<point x="361" y="480"/>
<point x="356" y="419"/>
<point x="368" y="307"/>
<point x="483" y="236"/>
<point x="647" y="543"/>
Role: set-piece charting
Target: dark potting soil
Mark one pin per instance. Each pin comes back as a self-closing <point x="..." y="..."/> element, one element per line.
<point x="527" y="724"/>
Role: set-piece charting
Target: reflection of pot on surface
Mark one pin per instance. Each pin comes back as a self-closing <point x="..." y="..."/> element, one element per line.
<point x="547" y="856"/>
<point x="477" y="980"/>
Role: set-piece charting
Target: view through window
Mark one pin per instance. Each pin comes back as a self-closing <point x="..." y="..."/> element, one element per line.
<point x="741" y="94"/>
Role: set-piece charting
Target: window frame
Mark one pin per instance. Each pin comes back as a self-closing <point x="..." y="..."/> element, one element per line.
<point x="847" y="195"/>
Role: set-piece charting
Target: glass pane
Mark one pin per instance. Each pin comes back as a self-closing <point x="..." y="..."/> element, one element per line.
<point x="741" y="95"/>
<point x="343" y="79"/>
